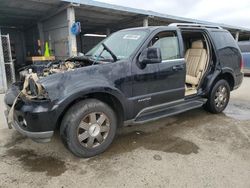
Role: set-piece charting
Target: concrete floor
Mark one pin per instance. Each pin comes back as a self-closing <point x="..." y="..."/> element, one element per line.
<point x="193" y="149"/>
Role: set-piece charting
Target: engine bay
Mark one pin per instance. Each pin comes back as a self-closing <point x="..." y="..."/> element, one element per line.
<point x="30" y="74"/>
<point x="45" y="69"/>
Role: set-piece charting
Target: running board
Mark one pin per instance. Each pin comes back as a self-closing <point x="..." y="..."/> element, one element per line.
<point x="168" y="111"/>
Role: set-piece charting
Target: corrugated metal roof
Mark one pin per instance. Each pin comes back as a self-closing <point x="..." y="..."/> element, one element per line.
<point x="94" y="15"/>
<point x="150" y="13"/>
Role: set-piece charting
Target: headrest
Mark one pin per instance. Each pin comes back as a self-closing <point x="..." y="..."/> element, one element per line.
<point x="197" y="44"/>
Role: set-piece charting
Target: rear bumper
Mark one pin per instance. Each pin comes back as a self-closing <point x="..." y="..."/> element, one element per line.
<point x="238" y="80"/>
<point x="246" y="71"/>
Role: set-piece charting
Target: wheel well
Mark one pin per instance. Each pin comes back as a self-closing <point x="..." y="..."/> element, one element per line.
<point x="113" y="102"/>
<point x="109" y="99"/>
<point x="229" y="78"/>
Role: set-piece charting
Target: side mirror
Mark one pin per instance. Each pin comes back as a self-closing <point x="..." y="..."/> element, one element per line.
<point x="150" y="55"/>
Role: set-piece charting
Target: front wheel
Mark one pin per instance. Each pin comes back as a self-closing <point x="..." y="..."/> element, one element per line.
<point x="88" y="128"/>
<point x="218" y="97"/>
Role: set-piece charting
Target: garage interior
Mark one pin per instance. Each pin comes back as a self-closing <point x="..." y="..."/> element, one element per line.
<point x="32" y="23"/>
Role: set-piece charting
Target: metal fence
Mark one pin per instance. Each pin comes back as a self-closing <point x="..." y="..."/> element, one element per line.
<point x="7" y="63"/>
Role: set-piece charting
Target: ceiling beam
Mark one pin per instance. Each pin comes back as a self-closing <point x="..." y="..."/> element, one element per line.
<point x="119" y="24"/>
<point x="54" y="11"/>
<point x="17" y="17"/>
<point x="48" y="2"/>
<point x="20" y="11"/>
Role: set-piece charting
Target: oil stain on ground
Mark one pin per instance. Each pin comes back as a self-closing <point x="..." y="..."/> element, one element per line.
<point x="36" y="163"/>
<point x="157" y="141"/>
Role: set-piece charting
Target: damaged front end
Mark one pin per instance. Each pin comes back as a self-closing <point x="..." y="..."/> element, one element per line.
<point x="29" y="107"/>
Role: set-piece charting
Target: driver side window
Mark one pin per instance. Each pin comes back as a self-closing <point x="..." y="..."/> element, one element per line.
<point x="168" y="44"/>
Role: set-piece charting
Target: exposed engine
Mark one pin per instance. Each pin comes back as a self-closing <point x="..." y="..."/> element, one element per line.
<point x="45" y="69"/>
<point x="30" y="74"/>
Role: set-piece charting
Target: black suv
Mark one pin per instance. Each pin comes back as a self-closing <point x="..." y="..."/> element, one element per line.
<point x="133" y="76"/>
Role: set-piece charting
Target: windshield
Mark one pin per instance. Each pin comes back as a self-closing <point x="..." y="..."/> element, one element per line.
<point x="122" y="44"/>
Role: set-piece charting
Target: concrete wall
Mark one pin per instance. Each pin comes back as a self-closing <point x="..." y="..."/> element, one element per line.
<point x="56" y="34"/>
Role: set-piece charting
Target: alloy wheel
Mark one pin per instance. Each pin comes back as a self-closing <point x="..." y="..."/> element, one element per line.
<point x="221" y="97"/>
<point x="93" y="129"/>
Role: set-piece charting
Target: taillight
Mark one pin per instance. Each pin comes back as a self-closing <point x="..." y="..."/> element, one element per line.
<point x="241" y="65"/>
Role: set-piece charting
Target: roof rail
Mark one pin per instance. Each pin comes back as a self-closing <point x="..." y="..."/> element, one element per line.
<point x="195" y="25"/>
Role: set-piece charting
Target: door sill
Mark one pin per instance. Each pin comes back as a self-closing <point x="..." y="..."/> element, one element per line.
<point x="156" y="114"/>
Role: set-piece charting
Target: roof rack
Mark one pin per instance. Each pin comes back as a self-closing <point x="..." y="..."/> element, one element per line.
<point x="195" y="25"/>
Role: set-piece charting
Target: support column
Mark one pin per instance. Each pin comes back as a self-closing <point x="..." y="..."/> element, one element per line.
<point x="41" y="36"/>
<point x="71" y="37"/>
<point x="237" y="36"/>
<point x="145" y="22"/>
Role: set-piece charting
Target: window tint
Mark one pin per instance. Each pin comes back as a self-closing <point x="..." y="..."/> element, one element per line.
<point x="223" y="39"/>
<point x="168" y="43"/>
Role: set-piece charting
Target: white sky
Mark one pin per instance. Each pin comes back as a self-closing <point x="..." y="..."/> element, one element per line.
<point x="233" y="12"/>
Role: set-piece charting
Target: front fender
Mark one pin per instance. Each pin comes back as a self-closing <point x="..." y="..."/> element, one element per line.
<point x="63" y="88"/>
<point x="78" y="90"/>
<point x="88" y="90"/>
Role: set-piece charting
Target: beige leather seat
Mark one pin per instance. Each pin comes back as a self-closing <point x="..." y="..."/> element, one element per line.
<point x="196" y="59"/>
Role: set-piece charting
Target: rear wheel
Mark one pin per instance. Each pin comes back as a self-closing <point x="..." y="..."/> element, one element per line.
<point x="218" y="97"/>
<point x="88" y="128"/>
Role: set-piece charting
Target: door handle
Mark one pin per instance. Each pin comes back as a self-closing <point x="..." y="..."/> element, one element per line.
<point x="178" y="67"/>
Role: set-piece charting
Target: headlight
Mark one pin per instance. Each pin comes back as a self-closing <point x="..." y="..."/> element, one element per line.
<point x="32" y="89"/>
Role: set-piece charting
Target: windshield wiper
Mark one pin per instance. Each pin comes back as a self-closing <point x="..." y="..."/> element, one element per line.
<point x="108" y="50"/>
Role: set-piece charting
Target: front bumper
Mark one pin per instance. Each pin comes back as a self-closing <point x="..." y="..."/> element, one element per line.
<point x="36" y="136"/>
<point x="34" y="119"/>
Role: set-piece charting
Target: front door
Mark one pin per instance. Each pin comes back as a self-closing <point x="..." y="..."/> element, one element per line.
<point x="163" y="82"/>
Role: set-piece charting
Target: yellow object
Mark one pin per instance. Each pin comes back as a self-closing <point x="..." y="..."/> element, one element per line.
<point x="46" y="53"/>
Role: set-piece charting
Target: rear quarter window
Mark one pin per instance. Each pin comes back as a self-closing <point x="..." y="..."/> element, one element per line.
<point x="223" y="39"/>
<point x="228" y="52"/>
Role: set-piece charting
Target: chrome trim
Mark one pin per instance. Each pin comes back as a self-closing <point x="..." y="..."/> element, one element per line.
<point x="173" y="60"/>
<point x="158" y="106"/>
<point x="155" y="94"/>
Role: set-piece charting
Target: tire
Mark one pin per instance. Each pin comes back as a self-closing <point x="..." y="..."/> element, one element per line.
<point x="218" y="97"/>
<point x="88" y="128"/>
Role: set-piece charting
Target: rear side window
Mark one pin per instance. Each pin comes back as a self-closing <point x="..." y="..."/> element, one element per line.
<point x="227" y="50"/>
<point x="223" y="39"/>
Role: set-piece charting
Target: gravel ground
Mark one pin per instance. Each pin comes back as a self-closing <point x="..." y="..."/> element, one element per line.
<point x="193" y="149"/>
